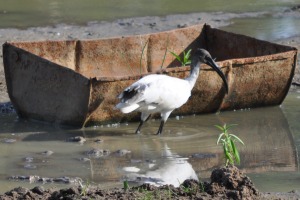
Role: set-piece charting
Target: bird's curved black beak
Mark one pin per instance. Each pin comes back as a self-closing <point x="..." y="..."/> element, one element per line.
<point x="214" y="65"/>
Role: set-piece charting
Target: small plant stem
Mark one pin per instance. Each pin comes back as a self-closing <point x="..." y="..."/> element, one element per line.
<point x="164" y="58"/>
<point x="141" y="58"/>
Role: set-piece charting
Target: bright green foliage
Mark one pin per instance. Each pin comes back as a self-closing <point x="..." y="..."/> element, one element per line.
<point x="228" y="140"/>
<point x="186" y="57"/>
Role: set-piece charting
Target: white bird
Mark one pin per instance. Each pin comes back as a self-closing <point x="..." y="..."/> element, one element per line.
<point x="162" y="94"/>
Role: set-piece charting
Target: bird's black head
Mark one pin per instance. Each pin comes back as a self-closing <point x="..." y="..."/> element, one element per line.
<point x="203" y="56"/>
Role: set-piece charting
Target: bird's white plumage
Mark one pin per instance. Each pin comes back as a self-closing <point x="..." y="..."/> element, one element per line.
<point x="157" y="93"/>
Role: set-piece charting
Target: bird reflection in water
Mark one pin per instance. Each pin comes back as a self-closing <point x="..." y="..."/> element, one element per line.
<point x="173" y="170"/>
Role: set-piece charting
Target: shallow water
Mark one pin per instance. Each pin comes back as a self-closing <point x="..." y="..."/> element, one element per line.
<point x="270" y="156"/>
<point x="267" y="27"/>
<point x="40" y="13"/>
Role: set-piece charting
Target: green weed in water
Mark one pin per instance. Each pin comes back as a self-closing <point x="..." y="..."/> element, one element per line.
<point x="228" y="140"/>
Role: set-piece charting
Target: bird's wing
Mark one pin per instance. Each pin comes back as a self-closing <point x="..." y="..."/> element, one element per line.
<point x="133" y="94"/>
<point x="155" y="91"/>
<point x="168" y="92"/>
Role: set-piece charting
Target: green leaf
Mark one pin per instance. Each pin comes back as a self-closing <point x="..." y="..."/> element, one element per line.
<point x="188" y="54"/>
<point x="230" y="125"/>
<point x="219" y="138"/>
<point x="237" y="138"/>
<point x="186" y="57"/>
<point x="176" y="56"/>
<point x="231" y="152"/>
<point x="220" y="127"/>
<point x="188" y="62"/>
<point x="228" y="156"/>
<point x="235" y="152"/>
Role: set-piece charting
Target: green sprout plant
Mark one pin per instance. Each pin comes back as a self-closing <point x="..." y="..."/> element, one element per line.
<point x="228" y="141"/>
<point x="84" y="188"/>
<point x="126" y="185"/>
<point x="186" y="60"/>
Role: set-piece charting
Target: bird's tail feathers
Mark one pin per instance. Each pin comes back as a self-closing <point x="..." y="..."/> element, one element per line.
<point x="125" y="108"/>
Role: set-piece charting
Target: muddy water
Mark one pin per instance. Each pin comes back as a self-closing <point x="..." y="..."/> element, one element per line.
<point x="268" y="27"/>
<point x="186" y="149"/>
<point x="15" y="14"/>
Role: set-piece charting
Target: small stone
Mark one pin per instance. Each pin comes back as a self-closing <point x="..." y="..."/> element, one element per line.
<point x="98" y="141"/>
<point x="77" y="139"/>
<point x="182" y="25"/>
<point x="95" y="152"/>
<point x="122" y="152"/>
<point x="21" y="190"/>
<point x="38" y="190"/>
<point x="84" y="159"/>
<point x="47" y="153"/>
<point x="98" y="152"/>
<point x="29" y="159"/>
<point x="71" y="190"/>
<point x="29" y="166"/>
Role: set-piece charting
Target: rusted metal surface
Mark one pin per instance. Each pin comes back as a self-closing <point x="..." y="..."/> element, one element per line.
<point x="42" y="90"/>
<point x="76" y="82"/>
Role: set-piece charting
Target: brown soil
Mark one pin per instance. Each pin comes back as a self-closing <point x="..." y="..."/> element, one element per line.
<point x="226" y="183"/>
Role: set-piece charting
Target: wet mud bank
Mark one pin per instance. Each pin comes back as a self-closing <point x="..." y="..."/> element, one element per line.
<point x="226" y="183"/>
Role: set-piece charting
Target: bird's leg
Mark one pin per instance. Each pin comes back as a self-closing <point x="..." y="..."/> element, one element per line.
<point x="161" y="126"/>
<point x="139" y="127"/>
<point x="144" y="117"/>
<point x="164" y="117"/>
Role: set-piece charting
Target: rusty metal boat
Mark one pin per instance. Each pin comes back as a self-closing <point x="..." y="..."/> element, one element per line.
<point x="76" y="82"/>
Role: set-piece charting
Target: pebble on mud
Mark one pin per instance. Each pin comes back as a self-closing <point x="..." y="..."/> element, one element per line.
<point x="47" y="153"/>
<point x="78" y="139"/>
<point x="98" y="152"/>
<point x="122" y="152"/>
